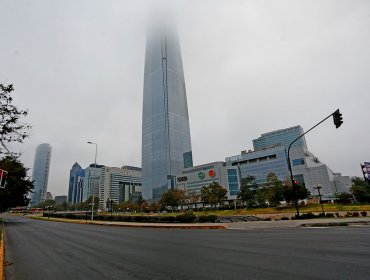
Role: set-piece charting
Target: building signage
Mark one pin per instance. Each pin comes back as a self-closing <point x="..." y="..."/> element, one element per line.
<point x="182" y="179"/>
<point x="211" y="173"/>
<point x="201" y="175"/>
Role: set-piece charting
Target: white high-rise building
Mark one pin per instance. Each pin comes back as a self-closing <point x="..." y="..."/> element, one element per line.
<point x="40" y="173"/>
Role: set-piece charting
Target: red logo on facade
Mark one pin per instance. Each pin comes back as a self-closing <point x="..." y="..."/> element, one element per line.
<point x="211" y="173"/>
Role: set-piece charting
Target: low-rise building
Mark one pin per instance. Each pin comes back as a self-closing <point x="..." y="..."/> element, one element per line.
<point x="192" y="179"/>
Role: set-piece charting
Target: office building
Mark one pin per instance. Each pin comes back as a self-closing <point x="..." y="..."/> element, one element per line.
<point x="166" y="144"/>
<point x="40" y="173"/>
<point x="49" y="196"/>
<point x="119" y="184"/>
<point x="270" y="156"/>
<point x="192" y="179"/>
<point x="76" y="182"/>
<point x="260" y="163"/>
<point x="60" y="199"/>
<point x="91" y="181"/>
<point x="281" y="137"/>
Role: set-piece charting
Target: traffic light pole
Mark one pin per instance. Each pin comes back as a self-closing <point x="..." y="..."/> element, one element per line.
<point x="290" y="166"/>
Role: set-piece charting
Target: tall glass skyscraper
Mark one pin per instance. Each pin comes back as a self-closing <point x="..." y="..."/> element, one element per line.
<point x="166" y="144"/>
<point x="40" y="173"/>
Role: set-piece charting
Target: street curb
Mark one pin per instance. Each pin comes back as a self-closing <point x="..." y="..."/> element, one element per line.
<point x="147" y="225"/>
<point x="2" y="253"/>
<point x="335" y="224"/>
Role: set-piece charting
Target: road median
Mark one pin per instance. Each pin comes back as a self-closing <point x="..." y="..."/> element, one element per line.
<point x="138" y="225"/>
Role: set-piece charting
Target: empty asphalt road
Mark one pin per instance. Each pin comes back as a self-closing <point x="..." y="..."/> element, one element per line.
<point x="51" y="250"/>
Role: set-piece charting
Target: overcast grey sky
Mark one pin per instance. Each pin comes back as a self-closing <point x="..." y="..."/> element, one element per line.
<point x="250" y="67"/>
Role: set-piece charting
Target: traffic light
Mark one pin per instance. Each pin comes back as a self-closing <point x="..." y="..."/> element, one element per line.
<point x="338" y="119"/>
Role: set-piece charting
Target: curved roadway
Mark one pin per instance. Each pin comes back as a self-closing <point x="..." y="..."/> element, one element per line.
<point x="50" y="250"/>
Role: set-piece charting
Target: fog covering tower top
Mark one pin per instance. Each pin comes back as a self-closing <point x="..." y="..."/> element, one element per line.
<point x="166" y="144"/>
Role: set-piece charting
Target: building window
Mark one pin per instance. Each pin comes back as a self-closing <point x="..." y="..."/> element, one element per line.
<point x="232" y="177"/>
<point x="298" y="161"/>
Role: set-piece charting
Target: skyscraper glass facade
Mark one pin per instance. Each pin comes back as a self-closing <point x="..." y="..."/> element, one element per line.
<point x="281" y="137"/>
<point x="262" y="162"/>
<point x="165" y="127"/>
<point x="76" y="183"/>
<point x="40" y="173"/>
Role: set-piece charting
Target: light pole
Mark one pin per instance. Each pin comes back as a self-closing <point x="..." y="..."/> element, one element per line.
<point x="318" y="189"/>
<point x="92" y="202"/>
<point x="111" y="207"/>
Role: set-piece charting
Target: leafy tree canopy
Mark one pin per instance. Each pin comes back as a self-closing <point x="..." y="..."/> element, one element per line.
<point x="18" y="184"/>
<point x="344" y="197"/>
<point x="274" y="189"/>
<point x="360" y="190"/>
<point x="213" y="194"/>
<point x="247" y="191"/>
<point x="173" y="198"/>
<point x="11" y="127"/>
<point x="301" y="191"/>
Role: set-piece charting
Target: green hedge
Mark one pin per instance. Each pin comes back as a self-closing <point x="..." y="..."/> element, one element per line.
<point x="187" y="217"/>
<point x="207" y="218"/>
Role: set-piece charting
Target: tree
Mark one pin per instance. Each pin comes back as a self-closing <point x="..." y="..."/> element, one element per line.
<point x="86" y="205"/>
<point x="45" y="203"/>
<point x="274" y="189"/>
<point x="193" y="198"/>
<point x="213" y="194"/>
<point x="247" y="191"/>
<point x="18" y="184"/>
<point x="261" y="198"/>
<point x="127" y="206"/>
<point x="301" y="191"/>
<point x="344" y="197"/>
<point x="173" y="198"/>
<point x="11" y="128"/>
<point x="360" y="190"/>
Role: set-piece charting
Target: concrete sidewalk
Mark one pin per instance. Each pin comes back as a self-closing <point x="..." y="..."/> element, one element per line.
<point x="299" y="223"/>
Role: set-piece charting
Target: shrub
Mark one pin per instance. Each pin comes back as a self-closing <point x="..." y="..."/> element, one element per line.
<point x="284" y="218"/>
<point x="363" y="213"/>
<point x="337" y="215"/>
<point x="304" y="216"/>
<point x="187" y="217"/>
<point x="321" y="215"/>
<point x="355" y="214"/>
<point x="329" y="215"/>
<point x="207" y="218"/>
<point x="166" y="219"/>
<point x="69" y="216"/>
<point x="349" y="214"/>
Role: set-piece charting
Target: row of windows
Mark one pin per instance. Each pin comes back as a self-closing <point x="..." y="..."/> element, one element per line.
<point x="255" y="160"/>
<point x="232" y="177"/>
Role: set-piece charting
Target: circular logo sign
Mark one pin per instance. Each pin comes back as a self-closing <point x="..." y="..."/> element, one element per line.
<point x="211" y="173"/>
<point x="201" y="175"/>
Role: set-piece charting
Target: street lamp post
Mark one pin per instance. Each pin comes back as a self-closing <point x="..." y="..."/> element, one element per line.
<point x="111" y="207"/>
<point x="92" y="202"/>
<point x="318" y="189"/>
